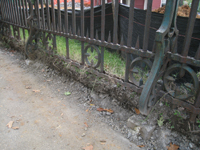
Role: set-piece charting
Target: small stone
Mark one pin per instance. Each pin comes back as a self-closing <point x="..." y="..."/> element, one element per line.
<point x="108" y="113"/>
<point x="133" y="121"/>
<point x="191" y="145"/>
<point x="146" y="131"/>
<point x="28" y="62"/>
<point x="139" y="138"/>
<point x="129" y="135"/>
<point x="85" y="129"/>
<point x="83" y="135"/>
<point x="160" y="104"/>
<point x="104" y="113"/>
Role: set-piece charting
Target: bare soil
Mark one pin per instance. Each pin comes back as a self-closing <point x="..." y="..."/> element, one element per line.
<point x="44" y="117"/>
<point x="49" y="116"/>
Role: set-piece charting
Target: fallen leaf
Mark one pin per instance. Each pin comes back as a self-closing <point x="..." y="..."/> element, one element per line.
<point x="140" y="146"/>
<point x="137" y="111"/>
<point x="67" y="93"/>
<point x="62" y="114"/>
<point x="172" y="147"/>
<point x="87" y="110"/>
<point x="28" y="87"/>
<point x="60" y="135"/>
<point x="15" y="128"/>
<point x="86" y="124"/>
<point x="103" y="142"/>
<point x="9" y="125"/>
<point x="100" y="109"/>
<point x="36" y="91"/>
<point x="58" y="90"/>
<point x="48" y="80"/>
<point x="90" y="147"/>
<point x="109" y="110"/>
<point x="91" y="104"/>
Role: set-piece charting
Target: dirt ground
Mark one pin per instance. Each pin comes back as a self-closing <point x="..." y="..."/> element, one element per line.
<point x="45" y="118"/>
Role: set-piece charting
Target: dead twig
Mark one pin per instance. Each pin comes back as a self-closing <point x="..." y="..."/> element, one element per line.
<point x="195" y="131"/>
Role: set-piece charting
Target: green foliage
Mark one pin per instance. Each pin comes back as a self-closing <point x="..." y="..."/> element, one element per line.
<point x="160" y="121"/>
<point x="67" y="93"/>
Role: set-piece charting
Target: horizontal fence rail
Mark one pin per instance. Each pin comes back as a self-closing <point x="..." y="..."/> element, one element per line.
<point x="162" y="57"/>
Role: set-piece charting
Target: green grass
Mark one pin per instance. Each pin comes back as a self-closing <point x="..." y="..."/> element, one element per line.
<point x="113" y="62"/>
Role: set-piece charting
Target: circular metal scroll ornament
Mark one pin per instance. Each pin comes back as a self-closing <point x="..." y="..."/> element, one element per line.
<point x="97" y="59"/>
<point x="181" y="81"/>
<point x="139" y="70"/>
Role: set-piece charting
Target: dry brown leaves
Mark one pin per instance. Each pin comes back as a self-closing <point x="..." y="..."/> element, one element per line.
<point x="172" y="147"/>
<point x="108" y="110"/>
<point x="15" y="128"/>
<point x="36" y="91"/>
<point x="9" y="125"/>
<point x="140" y="146"/>
<point x="90" y="147"/>
<point x="28" y="87"/>
<point x="137" y="111"/>
<point x="86" y="125"/>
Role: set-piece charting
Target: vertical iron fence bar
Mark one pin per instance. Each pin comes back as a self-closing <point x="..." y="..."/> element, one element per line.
<point x="11" y="12"/>
<point x="102" y="34"/>
<point x="66" y="29"/>
<point x="48" y="15"/>
<point x="59" y="16"/>
<point x="37" y="10"/>
<point x="20" y="13"/>
<point x="10" y="18"/>
<point x="54" y="24"/>
<point x="17" y="10"/>
<point x="43" y="23"/>
<point x="3" y="8"/>
<point x="17" y="18"/>
<point x="7" y="17"/>
<point x="22" y="19"/>
<point x="25" y="21"/>
<point x="115" y="30"/>
<point x="6" y="11"/>
<point x="24" y="13"/>
<point x="42" y="11"/>
<point x="82" y="32"/>
<point x="92" y="20"/>
<point x="13" y="17"/>
<point x="27" y="15"/>
<point x="73" y="18"/>
<point x="129" y="40"/>
<point x="147" y="25"/>
<point x="197" y="105"/>
<point x="190" y="27"/>
<point x="2" y="13"/>
<point x="26" y="9"/>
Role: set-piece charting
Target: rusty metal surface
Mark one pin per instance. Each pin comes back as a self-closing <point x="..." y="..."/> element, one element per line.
<point x="22" y="14"/>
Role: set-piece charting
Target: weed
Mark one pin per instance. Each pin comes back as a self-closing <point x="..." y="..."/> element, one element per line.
<point x="172" y="127"/>
<point x="198" y="121"/>
<point x="167" y="104"/>
<point x="118" y="85"/>
<point x="160" y="121"/>
<point x="178" y="114"/>
<point x="133" y="94"/>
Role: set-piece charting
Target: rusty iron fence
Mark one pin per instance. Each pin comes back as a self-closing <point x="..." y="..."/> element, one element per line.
<point x="162" y="72"/>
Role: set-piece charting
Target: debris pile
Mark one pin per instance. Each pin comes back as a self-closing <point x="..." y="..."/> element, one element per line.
<point x="183" y="11"/>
